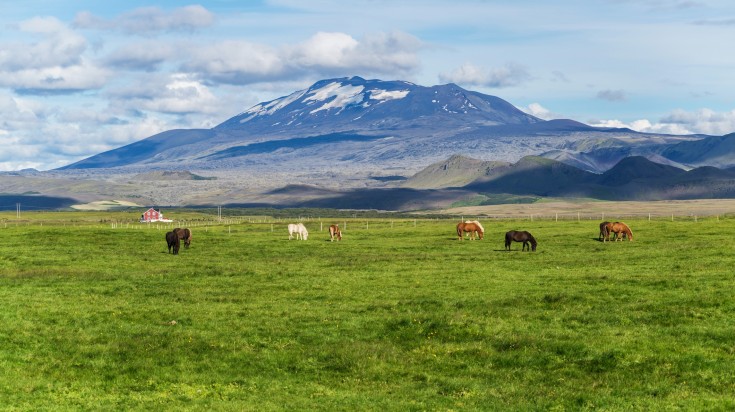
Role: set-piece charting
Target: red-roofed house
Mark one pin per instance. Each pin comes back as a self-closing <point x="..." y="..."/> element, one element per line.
<point x="153" y="215"/>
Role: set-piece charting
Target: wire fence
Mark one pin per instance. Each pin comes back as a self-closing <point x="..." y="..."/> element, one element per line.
<point x="321" y="224"/>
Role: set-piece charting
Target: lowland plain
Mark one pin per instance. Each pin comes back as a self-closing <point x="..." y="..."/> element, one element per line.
<point x="400" y="315"/>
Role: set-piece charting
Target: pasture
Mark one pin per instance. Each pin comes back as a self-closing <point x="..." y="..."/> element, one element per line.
<point x="399" y="315"/>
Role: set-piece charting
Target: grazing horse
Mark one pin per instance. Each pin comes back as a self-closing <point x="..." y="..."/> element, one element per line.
<point x="184" y="234"/>
<point x="516" y="236"/>
<point x="473" y="227"/>
<point x="621" y="229"/>
<point x="334" y="232"/>
<point x="172" y="239"/>
<point x="605" y="228"/>
<point x="299" y="229"/>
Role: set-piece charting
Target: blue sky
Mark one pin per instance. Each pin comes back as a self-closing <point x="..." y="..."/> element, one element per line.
<point x="81" y="77"/>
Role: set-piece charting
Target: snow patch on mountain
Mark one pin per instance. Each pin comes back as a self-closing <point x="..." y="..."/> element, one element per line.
<point x="385" y="95"/>
<point x="272" y="106"/>
<point x="341" y="96"/>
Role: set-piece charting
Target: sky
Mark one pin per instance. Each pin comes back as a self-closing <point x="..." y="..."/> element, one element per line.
<point x="80" y="77"/>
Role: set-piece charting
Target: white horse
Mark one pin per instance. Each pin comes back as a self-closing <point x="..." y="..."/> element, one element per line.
<point x="477" y="223"/>
<point x="299" y="229"/>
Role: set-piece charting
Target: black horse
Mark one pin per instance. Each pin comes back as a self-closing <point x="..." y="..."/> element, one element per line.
<point x="172" y="239"/>
<point x="516" y="236"/>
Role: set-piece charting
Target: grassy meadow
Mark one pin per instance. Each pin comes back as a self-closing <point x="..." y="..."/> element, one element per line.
<point x="400" y="315"/>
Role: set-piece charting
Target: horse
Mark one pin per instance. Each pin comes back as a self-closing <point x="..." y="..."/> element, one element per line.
<point x="334" y="232"/>
<point x="517" y="236"/>
<point x="184" y="234"/>
<point x="605" y="228"/>
<point x="473" y="227"/>
<point x="299" y="229"/>
<point x="621" y="229"/>
<point x="172" y="239"/>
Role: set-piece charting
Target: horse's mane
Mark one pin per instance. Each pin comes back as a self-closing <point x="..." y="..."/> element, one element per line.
<point x="531" y="238"/>
<point x="477" y="223"/>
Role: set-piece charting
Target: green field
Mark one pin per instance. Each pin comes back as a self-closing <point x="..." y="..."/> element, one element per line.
<point x="398" y="316"/>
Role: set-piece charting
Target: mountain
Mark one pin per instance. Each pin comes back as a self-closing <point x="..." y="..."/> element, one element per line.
<point x="712" y="151"/>
<point x="361" y="125"/>
<point x="352" y="141"/>
<point x="633" y="178"/>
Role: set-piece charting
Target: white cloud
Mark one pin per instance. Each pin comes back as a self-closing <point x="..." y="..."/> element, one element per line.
<point x="146" y="56"/>
<point x="535" y="109"/>
<point x="702" y="121"/>
<point x="511" y="74"/>
<point x="322" y="55"/>
<point x="58" y="46"/>
<point x="150" y="20"/>
<point x="53" y="64"/>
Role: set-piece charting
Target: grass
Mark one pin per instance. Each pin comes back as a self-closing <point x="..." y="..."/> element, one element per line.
<point x="394" y="317"/>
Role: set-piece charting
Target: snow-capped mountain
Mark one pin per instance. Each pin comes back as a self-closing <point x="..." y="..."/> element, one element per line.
<point x="357" y="124"/>
<point x="360" y="104"/>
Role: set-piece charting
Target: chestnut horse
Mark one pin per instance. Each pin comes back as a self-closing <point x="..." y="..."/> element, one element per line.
<point x="173" y="242"/>
<point x="184" y="234"/>
<point x="473" y="227"/>
<point x="621" y="229"/>
<point x="516" y="236"/>
<point x="334" y="232"/>
<point x="605" y="228"/>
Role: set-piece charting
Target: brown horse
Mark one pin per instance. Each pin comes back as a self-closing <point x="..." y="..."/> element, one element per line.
<point x="605" y="228"/>
<point x="516" y="236"/>
<point x="473" y="227"/>
<point x="184" y="234"/>
<point x="334" y="232"/>
<point x="173" y="242"/>
<point x="621" y="229"/>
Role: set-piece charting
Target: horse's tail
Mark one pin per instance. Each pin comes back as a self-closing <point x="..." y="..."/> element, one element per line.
<point x="459" y="230"/>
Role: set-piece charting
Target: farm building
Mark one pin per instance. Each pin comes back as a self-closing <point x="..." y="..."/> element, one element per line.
<point x="153" y="215"/>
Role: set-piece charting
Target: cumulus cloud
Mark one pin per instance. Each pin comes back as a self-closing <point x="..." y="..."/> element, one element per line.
<point x="702" y="121"/>
<point x="511" y="74"/>
<point x="52" y="62"/>
<point x="145" y="56"/>
<point x="149" y="20"/>
<point x="612" y="95"/>
<point x="535" y="109"/>
<point x="58" y="46"/>
<point x="323" y="54"/>
<point x="175" y="94"/>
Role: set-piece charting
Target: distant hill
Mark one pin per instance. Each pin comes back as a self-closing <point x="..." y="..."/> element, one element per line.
<point x="454" y="172"/>
<point x="633" y="178"/>
<point x="170" y="175"/>
<point x="712" y="151"/>
<point x="638" y="168"/>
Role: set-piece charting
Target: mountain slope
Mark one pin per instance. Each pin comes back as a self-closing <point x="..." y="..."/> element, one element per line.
<point x="371" y="125"/>
<point x="454" y="172"/>
<point x="713" y="151"/>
